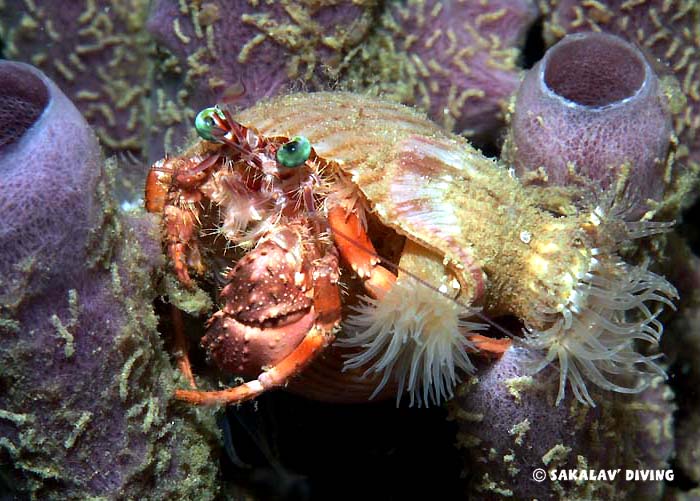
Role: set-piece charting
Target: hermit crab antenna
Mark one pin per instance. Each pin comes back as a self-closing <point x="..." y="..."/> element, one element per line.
<point x="222" y="121"/>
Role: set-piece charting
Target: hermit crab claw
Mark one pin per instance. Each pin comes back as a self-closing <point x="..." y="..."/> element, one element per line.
<point x="280" y="307"/>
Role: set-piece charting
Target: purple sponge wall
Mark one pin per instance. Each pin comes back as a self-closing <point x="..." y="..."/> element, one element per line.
<point x="85" y="385"/>
<point x="593" y="111"/>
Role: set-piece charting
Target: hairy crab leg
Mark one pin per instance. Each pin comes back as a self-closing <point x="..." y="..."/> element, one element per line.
<point x="180" y="229"/>
<point x="357" y="250"/>
<point x="316" y="339"/>
<point x="172" y="189"/>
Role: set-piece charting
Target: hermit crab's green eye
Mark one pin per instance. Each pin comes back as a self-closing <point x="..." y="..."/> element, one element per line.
<point x="204" y="123"/>
<point x="295" y="152"/>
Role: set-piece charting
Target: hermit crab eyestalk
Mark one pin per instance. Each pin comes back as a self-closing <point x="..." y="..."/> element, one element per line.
<point x="205" y="123"/>
<point x="295" y="152"/>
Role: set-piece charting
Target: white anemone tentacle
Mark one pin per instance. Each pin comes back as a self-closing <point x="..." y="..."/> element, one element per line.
<point x="594" y="335"/>
<point x="415" y="335"/>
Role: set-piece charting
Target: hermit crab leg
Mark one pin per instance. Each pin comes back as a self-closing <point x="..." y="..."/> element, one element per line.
<point x="181" y="237"/>
<point x="183" y="361"/>
<point x="490" y="346"/>
<point x="357" y="250"/>
<point x="171" y="188"/>
<point x="316" y="339"/>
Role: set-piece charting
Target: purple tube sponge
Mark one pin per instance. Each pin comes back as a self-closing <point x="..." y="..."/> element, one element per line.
<point x="21" y="103"/>
<point x="85" y="386"/>
<point x="509" y="427"/>
<point x="592" y="111"/>
<point x="668" y="30"/>
<point x="50" y="159"/>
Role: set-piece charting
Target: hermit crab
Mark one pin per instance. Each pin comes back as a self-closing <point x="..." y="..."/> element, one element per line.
<point x="288" y="201"/>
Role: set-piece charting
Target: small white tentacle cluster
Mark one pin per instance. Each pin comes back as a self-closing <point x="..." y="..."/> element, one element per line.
<point x="415" y="335"/>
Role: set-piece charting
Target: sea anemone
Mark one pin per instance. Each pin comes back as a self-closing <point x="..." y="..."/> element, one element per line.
<point x="415" y="334"/>
<point x="593" y="332"/>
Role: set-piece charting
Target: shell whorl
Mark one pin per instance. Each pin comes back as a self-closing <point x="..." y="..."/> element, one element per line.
<point x="343" y="127"/>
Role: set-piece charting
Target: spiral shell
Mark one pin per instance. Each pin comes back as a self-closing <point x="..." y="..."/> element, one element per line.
<point x="476" y="238"/>
<point x="560" y="274"/>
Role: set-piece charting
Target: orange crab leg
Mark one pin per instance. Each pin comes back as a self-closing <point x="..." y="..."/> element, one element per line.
<point x="316" y="339"/>
<point x="489" y="345"/>
<point x="157" y="186"/>
<point x="357" y="250"/>
<point x="180" y="225"/>
<point x="183" y="360"/>
<point x="327" y="302"/>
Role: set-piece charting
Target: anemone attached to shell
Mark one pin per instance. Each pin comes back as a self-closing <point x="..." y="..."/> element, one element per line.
<point x="415" y="335"/>
<point x="610" y="306"/>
